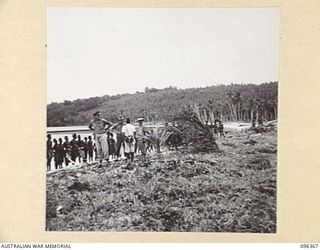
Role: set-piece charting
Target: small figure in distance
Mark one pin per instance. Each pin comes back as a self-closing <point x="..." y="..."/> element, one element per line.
<point x="260" y="120"/>
<point x="90" y="148"/>
<point x="253" y="122"/>
<point x="58" y="153"/>
<point x="60" y="148"/>
<point x="74" y="148"/>
<point x="55" y="153"/>
<point x="221" y="129"/>
<point x="85" y="145"/>
<point x="215" y="130"/>
<point x="49" y="152"/>
<point x="81" y="146"/>
<point x="112" y="148"/>
<point x="67" y="150"/>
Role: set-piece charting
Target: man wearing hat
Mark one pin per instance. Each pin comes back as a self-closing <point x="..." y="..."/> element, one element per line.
<point x="98" y="126"/>
<point x="141" y="137"/>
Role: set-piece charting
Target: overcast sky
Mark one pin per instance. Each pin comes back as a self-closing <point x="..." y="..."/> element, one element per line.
<point x="99" y="51"/>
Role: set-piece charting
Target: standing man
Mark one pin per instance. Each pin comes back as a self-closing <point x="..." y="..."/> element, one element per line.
<point x="221" y="129"/>
<point x="141" y="137"/>
<point x="67" y="150"/>
<point x="85" y="145"/>
<point x="58" y="153"/>
<point x="155" y="140"/>
<point x="117" y="128"/>
<point x="49" y="152"/>
<point x="260" y="120"/>
<point x="253" y="122"/>
<point x="98" y="126"/>
<point x="211" y="126"/>
<point x="129" y="131"/>
<point x="61" y="153"/>
<point x="215" y="130"/>
<point x="90" y="148"/>
<point x="74" y="148"/>
<point x="81" y="146"/>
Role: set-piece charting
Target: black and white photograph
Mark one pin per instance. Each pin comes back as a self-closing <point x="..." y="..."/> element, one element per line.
<point x="162" y="119"/>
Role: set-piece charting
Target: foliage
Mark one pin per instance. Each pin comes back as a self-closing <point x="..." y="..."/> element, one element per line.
<point x="227" y="102"/>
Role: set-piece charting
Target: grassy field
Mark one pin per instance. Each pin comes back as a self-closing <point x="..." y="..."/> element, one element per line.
<point x="230" y="191"/>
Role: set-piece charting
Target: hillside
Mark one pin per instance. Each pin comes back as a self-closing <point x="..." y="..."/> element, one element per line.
<point x="235" y="102"/>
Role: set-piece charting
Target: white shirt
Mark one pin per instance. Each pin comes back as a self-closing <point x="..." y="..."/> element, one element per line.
<point x="128" y="129"/>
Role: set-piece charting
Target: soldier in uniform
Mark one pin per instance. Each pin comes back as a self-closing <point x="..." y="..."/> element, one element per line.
<point x="98" y="126"/>
<point x="141" y="137"/>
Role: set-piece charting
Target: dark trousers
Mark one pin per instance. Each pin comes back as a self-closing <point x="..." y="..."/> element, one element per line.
<point x="90" y="153"/>
<point x="118" y="145"/>
<point x="74" y="154"/>
<point x="85" y="155"/>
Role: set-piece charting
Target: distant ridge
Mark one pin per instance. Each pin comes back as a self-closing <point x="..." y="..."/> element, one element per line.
<point x="235" y="102"/>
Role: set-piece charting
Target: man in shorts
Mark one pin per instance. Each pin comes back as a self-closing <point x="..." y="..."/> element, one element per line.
<point x="98" y="126"/>
<point x="128" y="132"/>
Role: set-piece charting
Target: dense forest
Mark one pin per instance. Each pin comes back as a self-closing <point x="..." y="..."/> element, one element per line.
<point x="234" y="102"/>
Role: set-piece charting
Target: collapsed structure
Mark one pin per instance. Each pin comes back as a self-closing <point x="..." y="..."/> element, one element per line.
<point x="193" y="134"/>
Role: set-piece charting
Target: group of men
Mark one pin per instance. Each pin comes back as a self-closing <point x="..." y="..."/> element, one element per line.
<point x="260" y="121"/>
<point x="110" y="139"/>
<point x="127" y="136"/>
<point x="216" y="128"/>
<point x="69" y="151"/>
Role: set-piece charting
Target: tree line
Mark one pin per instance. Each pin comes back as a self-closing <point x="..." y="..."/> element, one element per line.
<point x="234" y="102"/>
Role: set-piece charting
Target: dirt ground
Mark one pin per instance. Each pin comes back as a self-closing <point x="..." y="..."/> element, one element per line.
<point x="230" y="191"/>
